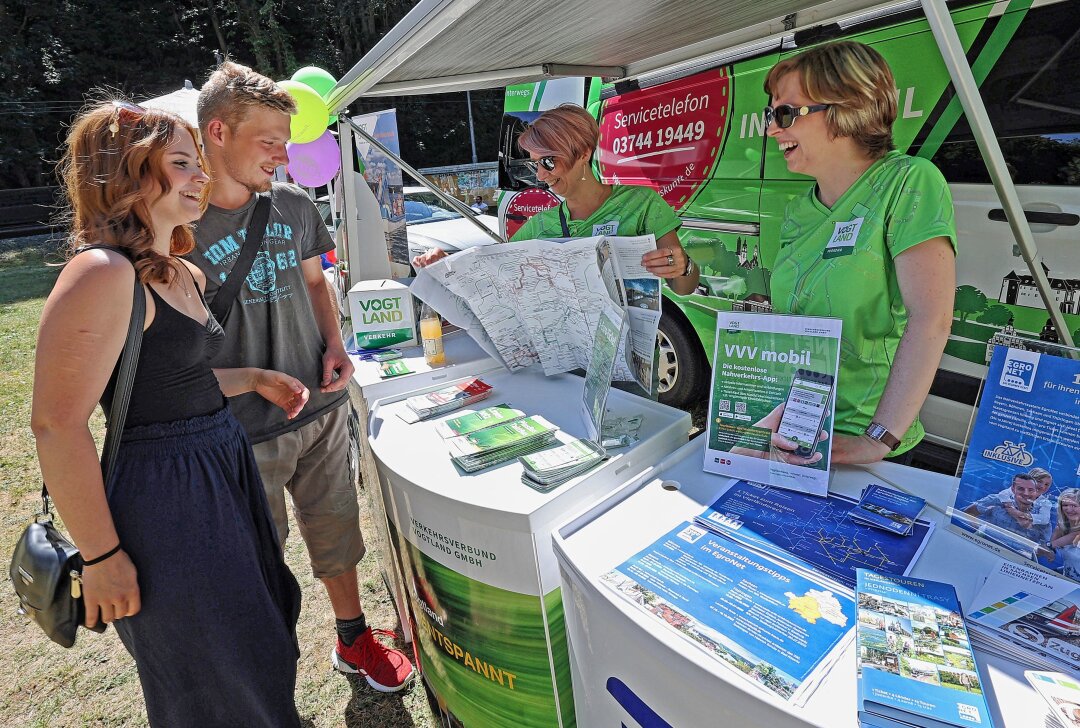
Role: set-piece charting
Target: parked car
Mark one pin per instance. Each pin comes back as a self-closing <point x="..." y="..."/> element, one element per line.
<point x="431" y="223"/>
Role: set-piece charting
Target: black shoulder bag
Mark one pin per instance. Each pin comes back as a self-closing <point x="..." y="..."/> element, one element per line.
<point x="46" y="568"/>
<point x="226" y="295"/>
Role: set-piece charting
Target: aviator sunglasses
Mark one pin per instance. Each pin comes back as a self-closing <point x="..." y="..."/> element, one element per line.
<point x="547" y="163"/>
<point x="785" y="114"/>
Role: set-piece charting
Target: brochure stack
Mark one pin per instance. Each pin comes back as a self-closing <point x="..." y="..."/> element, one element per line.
<point x="499" y="414"/>
<point x="778" y="628"/>
<point x="1030" y="616"/>
<point x="549" y="469"/>
<point x="493" y="445"/>
<point x="447" y="399"/>
<point x="891" y="510"/>
<point x="915" y="663"/>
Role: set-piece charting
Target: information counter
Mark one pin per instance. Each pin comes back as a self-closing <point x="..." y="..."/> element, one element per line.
<point x="628" y="669"/>
<point x="476" y="549"/>
<point x="463" y="358"/>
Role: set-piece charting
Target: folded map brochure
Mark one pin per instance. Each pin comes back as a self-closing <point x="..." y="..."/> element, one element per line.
<point x="548" y="469"/>
<point x="394" y="368"/>
<point x="468" y="422"/>
<point x="812" y="533"/>
<point x="914" y="658"/>
<point x="1029" y="615"/>
<point x="1061" y="692"/>
<point x="493" y="445"/>
<point x="892" y="510"/>
<point x="539" y="301"/>
<point x="777" y="628"/>
<point x="449" y="398"/>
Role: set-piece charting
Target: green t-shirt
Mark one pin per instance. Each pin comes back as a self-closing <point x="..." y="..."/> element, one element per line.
<point x="839" y="262"/>
<point x="629" y="210"/>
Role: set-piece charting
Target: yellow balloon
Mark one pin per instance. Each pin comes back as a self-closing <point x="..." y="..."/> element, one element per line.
<point x="311" y="117"/>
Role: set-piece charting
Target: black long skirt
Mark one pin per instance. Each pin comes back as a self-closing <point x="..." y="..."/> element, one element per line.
<point x="215" y="641"/>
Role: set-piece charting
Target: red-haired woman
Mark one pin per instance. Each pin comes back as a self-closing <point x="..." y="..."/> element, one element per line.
<point x="189" y="570"/>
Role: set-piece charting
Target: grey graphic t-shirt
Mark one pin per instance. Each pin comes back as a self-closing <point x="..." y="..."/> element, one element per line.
<point x="271" y="325"/>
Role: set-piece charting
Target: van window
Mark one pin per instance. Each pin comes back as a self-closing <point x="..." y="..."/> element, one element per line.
<point x="1033" y="100"/>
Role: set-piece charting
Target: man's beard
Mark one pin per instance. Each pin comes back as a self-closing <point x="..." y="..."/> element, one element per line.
<point x="253" y="186"/>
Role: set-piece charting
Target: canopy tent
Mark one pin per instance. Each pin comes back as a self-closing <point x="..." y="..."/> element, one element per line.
<point x="457" y="45"/>
<point x="181" y="102"/>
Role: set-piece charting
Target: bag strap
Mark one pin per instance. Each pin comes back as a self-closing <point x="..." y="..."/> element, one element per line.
<point x="562" y="221"/>
<point x="129" y="358"/>
<point x="226" y="295"/>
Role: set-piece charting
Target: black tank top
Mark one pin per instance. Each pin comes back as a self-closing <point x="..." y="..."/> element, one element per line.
<point x="173" y="379"/>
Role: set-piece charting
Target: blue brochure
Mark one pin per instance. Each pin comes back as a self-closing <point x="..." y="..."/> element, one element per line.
<point x="811" y="532"/>
<point x="892" y="510"/>
<point x="914" y="658"/>
<point x="778" y="628"/>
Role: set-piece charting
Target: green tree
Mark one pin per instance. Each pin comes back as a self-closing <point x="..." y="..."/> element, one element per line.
<point x="969" y="300"/>
<point x="995" y="315"/>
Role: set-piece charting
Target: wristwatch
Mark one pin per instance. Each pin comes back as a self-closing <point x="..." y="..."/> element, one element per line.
<point x="879" y="433"/>
<point x="690" y="267"/>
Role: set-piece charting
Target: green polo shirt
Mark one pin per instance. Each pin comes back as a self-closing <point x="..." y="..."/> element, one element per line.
<point x="839" y="262"/>
<point x="629" y="210"/>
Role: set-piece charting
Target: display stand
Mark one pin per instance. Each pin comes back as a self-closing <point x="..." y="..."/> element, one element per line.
<point x="464" y="358"/>
<point x="628" y="670"/>
<point x="480" y="573"/>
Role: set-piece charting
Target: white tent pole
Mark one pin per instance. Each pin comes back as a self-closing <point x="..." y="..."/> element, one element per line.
<point x="937" y="14"/>
<point x="348" y="186"/>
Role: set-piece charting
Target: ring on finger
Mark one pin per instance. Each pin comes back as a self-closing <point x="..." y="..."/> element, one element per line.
<point x="671" y="259"/>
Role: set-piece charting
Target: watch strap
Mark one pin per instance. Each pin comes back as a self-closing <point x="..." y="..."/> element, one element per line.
<point x="880" y="433"/>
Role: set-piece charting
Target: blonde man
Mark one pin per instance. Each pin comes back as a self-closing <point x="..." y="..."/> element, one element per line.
<point x="285" y="313"/>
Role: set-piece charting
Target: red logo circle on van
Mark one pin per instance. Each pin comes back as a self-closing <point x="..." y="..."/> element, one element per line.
<point x="667" y="137"/>
<point x="524" y="205"/>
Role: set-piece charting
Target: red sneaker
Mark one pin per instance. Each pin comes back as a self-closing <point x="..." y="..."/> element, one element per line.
<point x="386" y="669"/>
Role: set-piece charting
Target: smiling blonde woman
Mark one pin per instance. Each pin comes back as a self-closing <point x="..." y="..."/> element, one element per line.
<point x="872" y="243"/>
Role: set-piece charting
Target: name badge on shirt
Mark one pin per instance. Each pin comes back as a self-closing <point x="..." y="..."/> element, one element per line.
<point x="607" y="228"/>
<point x="843" y="238"/>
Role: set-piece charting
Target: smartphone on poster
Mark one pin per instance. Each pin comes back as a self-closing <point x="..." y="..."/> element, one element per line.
<point x="805" y="409"/>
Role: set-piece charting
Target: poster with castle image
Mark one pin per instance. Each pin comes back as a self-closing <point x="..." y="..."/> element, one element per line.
<point x="1018" y="493"/>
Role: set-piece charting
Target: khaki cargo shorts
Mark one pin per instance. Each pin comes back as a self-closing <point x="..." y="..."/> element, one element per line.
<point x="312" y="463"/>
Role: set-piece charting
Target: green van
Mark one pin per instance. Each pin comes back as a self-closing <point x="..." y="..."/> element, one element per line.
<point x="696" y="135"/>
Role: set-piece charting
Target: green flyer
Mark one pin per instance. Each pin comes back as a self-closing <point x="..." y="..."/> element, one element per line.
<point x="771" y="404"/>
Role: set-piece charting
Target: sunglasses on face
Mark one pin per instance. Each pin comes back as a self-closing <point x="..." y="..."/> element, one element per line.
<point x="547" y="163"/>
<point x="124" y="109"/>
<point x="785" y="114"/>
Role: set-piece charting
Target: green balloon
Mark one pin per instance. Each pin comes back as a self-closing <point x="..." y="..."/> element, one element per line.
<point x="311" y="117"/>
<point x="316" y="78"/>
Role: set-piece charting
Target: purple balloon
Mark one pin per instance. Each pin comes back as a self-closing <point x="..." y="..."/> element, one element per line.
<point x="315" y="163"/>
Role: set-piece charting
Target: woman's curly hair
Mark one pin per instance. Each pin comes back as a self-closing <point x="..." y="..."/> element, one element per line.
<point x="112" y="171"/>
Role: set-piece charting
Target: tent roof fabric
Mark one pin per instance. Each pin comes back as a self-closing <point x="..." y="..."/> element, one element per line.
<point x="456" y="45"/>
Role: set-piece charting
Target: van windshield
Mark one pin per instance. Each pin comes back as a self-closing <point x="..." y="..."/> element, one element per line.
<point x="423" y="207"/>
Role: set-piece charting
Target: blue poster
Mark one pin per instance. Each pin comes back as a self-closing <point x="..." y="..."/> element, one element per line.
<point x="816" y="533"/>
<point x="384" y="177"/>
<point x="1018" y="490"/>
<point x="771" y="624"/>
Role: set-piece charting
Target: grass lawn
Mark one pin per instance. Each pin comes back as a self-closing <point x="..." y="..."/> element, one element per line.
<point x="95" y="683"/>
